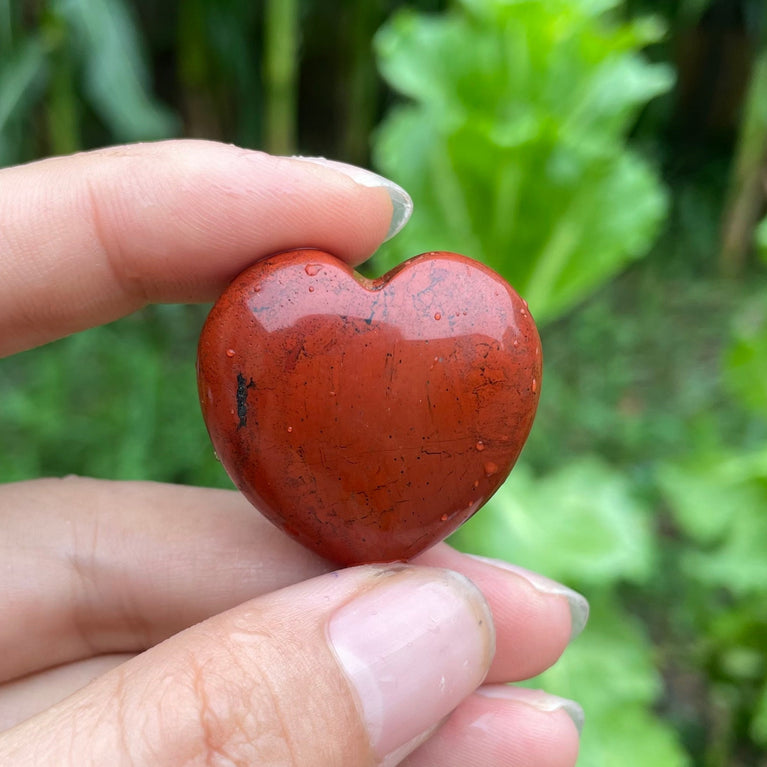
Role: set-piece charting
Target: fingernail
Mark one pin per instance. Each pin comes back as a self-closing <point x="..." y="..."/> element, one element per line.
<point x="579" y="606"/>
<point x="402" y="204"/>
<point x="538" y="699"/>
<point x="413" y="647"/>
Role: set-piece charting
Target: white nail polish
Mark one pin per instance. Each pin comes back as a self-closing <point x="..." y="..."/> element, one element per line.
<point x="402" y="204"/>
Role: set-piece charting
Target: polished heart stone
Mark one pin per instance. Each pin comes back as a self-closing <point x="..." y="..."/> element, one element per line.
<point x="368" y="419"/>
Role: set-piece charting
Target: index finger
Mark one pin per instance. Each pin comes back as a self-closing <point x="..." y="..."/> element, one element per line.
<point x="88" y="238"/>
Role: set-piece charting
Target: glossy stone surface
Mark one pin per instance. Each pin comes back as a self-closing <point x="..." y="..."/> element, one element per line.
<point x="368" y="419"/>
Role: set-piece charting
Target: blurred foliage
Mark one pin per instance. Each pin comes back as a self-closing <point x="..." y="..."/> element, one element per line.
<point x="129" y="413"/>
<point x="644" y="484"/>
<point x="761" y="239"/>
<point x="82" y="54"/>
<point x="532" y="134"/>
<point x="514" y="150"/>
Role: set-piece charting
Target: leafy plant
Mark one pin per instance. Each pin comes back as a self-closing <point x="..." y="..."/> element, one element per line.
<point x="81" y="55"/>
<point x="513" y="143"/>
<point x="613" y="672"/>
<point x="717" y="496"/>
<point x="746" y="359"/>
<point x="584" y="524"/>
<point x="513" y="146"/>
<point x="23" y="70"/>
<point x="581" y="523"/>
<point x="109" y="55"/>
<point x="644" y="481"/>
<point x="130" y="412"/>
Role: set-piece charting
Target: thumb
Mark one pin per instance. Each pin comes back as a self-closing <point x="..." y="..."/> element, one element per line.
<point x="351" y="668"/>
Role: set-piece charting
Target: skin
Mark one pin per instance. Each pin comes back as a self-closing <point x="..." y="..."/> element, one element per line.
<point x="120" y="598"/>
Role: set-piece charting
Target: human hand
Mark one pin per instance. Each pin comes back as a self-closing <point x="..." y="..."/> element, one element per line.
<point x="149" y="624"/>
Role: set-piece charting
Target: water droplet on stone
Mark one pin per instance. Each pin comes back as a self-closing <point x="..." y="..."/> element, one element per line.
<point x="313" y="269"/>
<point x="491" y="468"/>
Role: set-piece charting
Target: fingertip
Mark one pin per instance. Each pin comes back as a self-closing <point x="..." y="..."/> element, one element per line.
<point x="504" y="726"/>
<point x="533" y="619"/>
<point x="91" y="237"/>
<point x="537" y="699"/>
<point x="401" y="202"/>
<point x="358" y="665"/>
<point x="577" y="604"/>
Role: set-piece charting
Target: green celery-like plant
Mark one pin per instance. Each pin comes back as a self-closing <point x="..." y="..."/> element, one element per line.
<point x="513" y="141"/>
<point x="513" y="145"/>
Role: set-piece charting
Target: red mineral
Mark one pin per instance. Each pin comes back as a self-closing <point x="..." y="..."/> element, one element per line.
<point x="368" y="419"/>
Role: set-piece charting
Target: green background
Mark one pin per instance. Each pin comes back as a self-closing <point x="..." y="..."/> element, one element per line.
<point x="610" y="159"/>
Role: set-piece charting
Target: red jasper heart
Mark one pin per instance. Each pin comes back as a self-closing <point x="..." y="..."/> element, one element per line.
<point x="368" y="419"/>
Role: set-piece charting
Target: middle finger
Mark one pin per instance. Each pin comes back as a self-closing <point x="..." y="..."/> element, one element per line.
<point x="98" y="567"/>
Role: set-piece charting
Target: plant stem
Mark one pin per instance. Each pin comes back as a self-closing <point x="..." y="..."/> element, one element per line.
<point x="746" y="194"/>
<point x="280" y="75"/>
<point x="361" y="81"/>
<point x="61" y="107"/>
<point x="6" y="28"/>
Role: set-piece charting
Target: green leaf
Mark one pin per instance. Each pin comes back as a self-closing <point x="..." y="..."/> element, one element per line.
<point x="498" y="10"/>
<point x="719" y="501"/>
<point x="513" y="145"/>
<point x="610" y="670"/>
<point x="703" y="505"/>
<point x="19" y="73"/>
<point x="632" y="735"/>
<point x="586" y="247"/>
<point x="614" y="93"/>
<point x="116" y="76"/>
<point x="409" y="50"/>
<point x="21" y="76"/>
<point x="745" y="364"/>
<point x="581" y="523"/>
